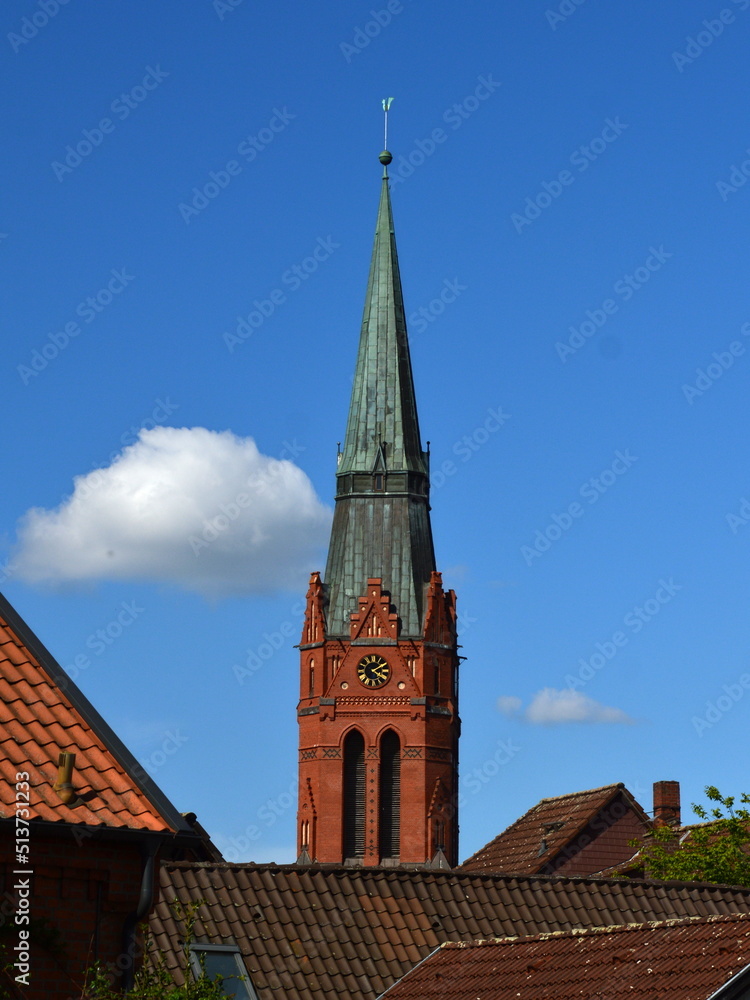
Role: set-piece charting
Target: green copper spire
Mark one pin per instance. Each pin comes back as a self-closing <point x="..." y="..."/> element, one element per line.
<point x="383" y="410"/>
<point x="381" y="525"/>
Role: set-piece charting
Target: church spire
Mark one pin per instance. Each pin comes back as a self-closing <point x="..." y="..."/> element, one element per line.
<point x="381" y="525"/>
<point x="378" y="708"/>
<point x="383" y="409"/>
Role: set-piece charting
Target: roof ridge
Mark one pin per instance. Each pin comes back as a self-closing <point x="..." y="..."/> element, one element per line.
<point x="573" y="795"/>
<point x="712" y="918"/>
<point x="422" y="871"/>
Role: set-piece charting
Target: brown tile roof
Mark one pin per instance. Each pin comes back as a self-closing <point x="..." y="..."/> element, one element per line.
<point x="318" y="932"/>
<point x="43" y="713"/>
<point x="684" y="960"/>
<point x="557" y="821"/>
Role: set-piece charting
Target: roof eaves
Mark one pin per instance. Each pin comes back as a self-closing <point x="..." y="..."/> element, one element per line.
<point x="85" y="831"/>
<point x="735" y="988"/>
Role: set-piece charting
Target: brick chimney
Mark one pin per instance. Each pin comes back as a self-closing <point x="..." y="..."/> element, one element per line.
<point x="666" y="803"/>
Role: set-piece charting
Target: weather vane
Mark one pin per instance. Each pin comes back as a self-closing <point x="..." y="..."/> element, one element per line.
<point x="386" y="108"/>
<point x="385" y="156"/>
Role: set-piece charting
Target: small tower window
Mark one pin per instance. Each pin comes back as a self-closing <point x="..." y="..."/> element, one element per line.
<point x="438" y="836"/>
<point x="378" y="483"/>
<point x="312" y="677"/>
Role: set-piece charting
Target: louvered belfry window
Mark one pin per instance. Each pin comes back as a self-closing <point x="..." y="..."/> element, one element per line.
<point x="390" y="795"/>
<point x="354" y="795"/>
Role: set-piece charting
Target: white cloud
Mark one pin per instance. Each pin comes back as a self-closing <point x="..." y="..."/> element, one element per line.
<point x="550" y="707"/>
<point x="188" y="506"/>
<point x="509" y="705"/>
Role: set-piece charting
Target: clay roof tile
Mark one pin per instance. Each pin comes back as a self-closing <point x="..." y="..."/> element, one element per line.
<point x="377" y="931"/>
<point x="640" y="961"/>
<point x="43" y="713"/>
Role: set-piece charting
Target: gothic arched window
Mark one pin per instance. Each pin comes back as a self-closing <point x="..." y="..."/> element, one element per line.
<point x="390" y="795"/>
<point x="354" y="795"/>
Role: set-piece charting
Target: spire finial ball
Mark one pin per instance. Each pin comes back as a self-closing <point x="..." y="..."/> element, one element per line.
<point x="385" y="158"/>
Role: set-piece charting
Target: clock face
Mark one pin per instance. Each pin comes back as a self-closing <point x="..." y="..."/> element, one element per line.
<point x="373" y="671"/>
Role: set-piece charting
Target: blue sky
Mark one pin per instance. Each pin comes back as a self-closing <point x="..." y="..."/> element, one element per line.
<point x="191" y="193"/>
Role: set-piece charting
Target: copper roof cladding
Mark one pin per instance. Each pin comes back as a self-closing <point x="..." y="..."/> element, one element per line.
<point x="315" y="932"/>
<point x="382" y="533"/>
<point x="43" y="713"/>
<point x="684" y="960"/>
<point x="557" y="821"/>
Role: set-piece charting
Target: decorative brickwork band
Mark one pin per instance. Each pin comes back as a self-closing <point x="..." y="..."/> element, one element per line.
<point x="374" y="700"/>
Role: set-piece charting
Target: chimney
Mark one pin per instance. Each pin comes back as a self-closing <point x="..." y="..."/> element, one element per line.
<point x="666" y="803"/>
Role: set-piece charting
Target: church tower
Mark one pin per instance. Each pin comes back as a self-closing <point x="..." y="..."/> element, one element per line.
<point x="378" y="710"/>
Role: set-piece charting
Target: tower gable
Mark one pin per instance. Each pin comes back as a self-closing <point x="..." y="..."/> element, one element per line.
<point x="374" y="620"/>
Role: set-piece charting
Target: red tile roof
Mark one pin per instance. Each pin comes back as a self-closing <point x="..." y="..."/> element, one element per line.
<point x="319" y="933"/>
<point x="43" y="713"/>
<point x="556" y="822"/>
<point x="680" y="959"/>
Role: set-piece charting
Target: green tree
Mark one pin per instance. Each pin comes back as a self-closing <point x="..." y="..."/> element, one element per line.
<point x="716" y="851"/>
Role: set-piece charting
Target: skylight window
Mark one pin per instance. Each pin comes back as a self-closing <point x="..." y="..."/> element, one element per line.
<point x="223" y="960"/>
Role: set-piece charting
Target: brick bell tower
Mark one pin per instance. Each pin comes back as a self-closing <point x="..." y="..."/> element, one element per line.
<point x="378" y="710"/>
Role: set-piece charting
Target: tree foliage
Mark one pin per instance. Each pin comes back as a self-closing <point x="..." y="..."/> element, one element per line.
<point x="716" y="851"/>
<point x="154" y="981"/>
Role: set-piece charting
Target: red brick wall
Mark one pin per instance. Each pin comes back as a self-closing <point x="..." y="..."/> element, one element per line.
<point x="603" y="843"/>
<point x="83" y="889"/>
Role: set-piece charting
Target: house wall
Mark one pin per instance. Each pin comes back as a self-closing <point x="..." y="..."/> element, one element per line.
<point x="83" y="889"/>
